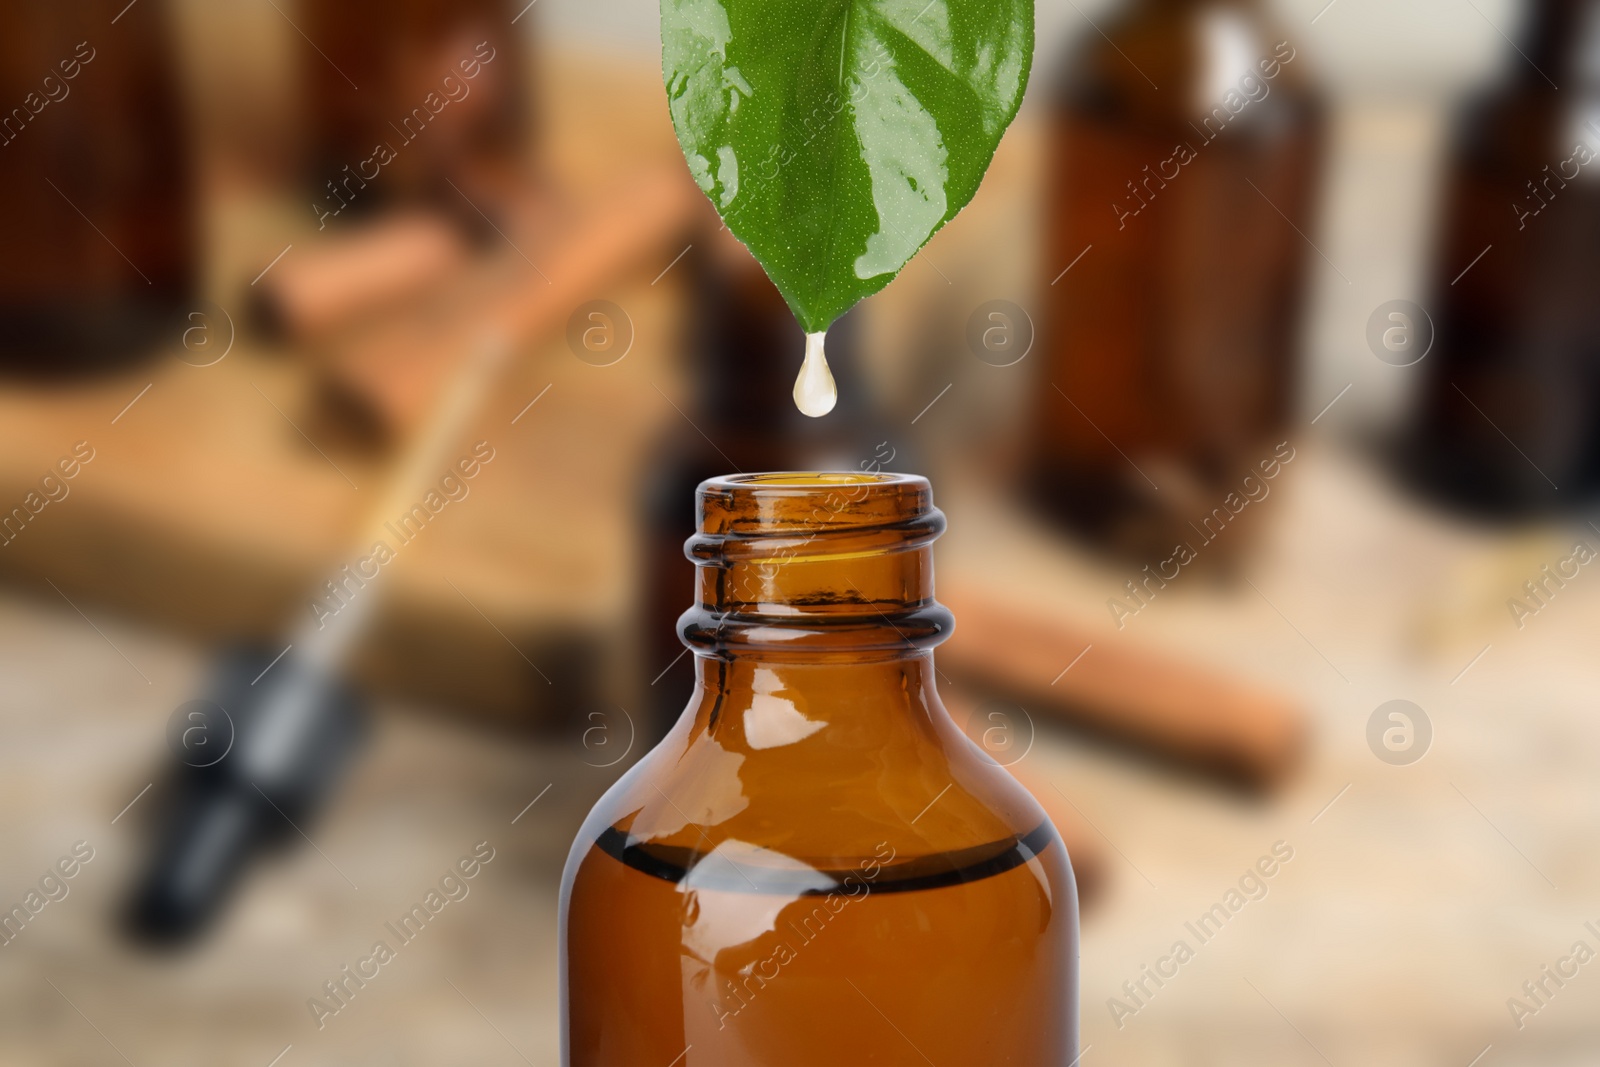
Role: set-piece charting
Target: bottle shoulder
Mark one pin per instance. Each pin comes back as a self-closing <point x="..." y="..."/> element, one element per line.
<point x="919" y="790"/>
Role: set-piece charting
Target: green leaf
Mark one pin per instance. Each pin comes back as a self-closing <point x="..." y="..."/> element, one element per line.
<point x="837" y="136"/>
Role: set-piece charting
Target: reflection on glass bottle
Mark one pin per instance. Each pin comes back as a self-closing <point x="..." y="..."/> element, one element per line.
<point x="1511" y="409"/>
<point x="817" y="866"/>
<point x="1184" y="152"/>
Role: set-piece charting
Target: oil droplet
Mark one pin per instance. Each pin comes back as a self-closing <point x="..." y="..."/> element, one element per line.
<point x="814" y="391"/>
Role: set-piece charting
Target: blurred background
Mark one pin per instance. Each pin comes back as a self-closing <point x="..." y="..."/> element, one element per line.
<point x="1259" y="384"/>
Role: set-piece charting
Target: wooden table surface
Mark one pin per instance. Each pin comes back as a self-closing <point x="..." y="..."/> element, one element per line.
<point x="1418" y="900"/>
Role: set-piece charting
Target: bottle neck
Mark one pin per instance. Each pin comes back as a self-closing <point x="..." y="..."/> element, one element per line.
<point x="763" y="704"/>
<point x="812" y="568"/>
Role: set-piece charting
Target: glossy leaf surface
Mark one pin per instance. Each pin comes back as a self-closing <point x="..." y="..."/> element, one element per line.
<point x="837" y="136"/>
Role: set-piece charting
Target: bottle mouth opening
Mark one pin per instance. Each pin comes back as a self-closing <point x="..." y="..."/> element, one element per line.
<point x="808" y="480"/>
<point x="802" y="503"/>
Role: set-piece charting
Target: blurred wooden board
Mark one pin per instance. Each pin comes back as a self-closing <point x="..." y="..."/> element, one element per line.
<point x="205" y="508"/>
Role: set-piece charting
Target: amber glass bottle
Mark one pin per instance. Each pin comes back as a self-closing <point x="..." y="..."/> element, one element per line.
<point x="1517" y="352"/>
<point x="816" y="866"/>
<point x="1184" y="150"/>
<point x="98" y="203"/>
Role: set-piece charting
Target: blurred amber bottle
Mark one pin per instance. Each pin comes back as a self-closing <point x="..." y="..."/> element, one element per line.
<point x="817" y="866"/>
<point x="440" y="84"/>
<point x="1517" y="349"/>
<point x="97" y="202"/>
<point x="1185" y="147"/>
